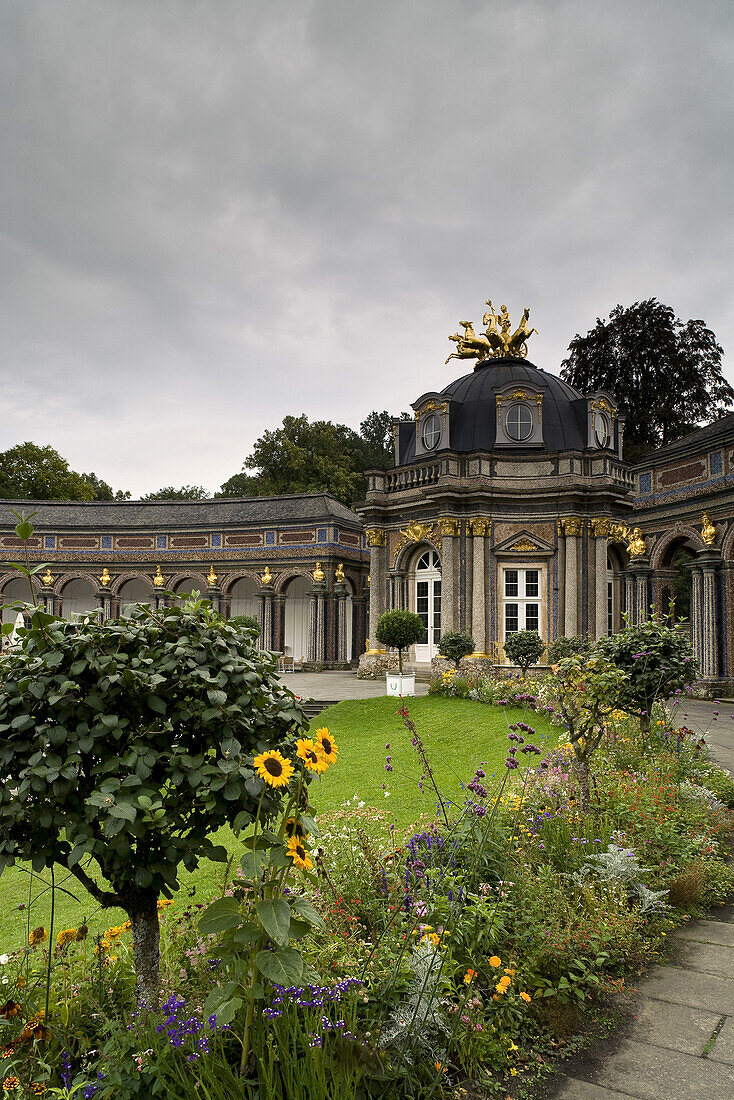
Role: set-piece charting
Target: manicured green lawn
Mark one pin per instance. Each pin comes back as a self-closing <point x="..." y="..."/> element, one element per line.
<point x="458" y="735"/>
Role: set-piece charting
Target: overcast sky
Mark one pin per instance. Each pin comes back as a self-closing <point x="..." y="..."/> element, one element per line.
<point x="213" y="214"/>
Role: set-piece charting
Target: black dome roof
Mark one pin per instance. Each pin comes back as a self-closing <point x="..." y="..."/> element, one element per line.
<point x="473" y="408"/>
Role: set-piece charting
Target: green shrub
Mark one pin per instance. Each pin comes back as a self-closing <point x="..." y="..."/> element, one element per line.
<point x="567" y="647"/>
<point x="524" y="647"/>
<point x="719" y="783"/>
<point x="456" y="645"/>
<point x="245" y="622"/>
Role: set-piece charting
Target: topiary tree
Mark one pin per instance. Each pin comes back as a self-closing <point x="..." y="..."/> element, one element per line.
<point x="124" y="745"/>
<point x="245" y="622"/>
<point x="658" y="660"/>
<point x="524" y="647"/>
<point x="398" y="630"/>
<point x="567" y="647"/>
<point x="456" y="645"/>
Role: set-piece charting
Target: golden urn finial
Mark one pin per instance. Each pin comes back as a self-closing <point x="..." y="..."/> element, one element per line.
<point x="212" y="577"/>
<point x="47" y="579"/>
<point x="497" y="340"/>
<point x="158" y="579"/>
<point x="105" y="579"/>
<point x="339" y="575"/>
<point x="708" y="531"/>
<point x="267" y="577"/>
<point x="318" y="573"/>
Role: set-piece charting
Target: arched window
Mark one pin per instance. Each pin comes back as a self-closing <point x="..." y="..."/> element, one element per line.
<point x="431" y="431"/>
<point x="519" y="422"/>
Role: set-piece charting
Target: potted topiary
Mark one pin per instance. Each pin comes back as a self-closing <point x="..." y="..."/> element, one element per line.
<point x="399" y="630"/>
<point x="456" y="645"/>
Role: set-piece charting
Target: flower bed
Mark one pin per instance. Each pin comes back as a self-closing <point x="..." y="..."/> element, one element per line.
<point x="467" y="949"/>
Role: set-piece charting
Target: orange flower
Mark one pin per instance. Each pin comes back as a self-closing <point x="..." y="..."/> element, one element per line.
<point x="526" y="997"/>
<point x="469" y="976"/>
<point x="495" y="961"/>
<point x="10" y="1009"/>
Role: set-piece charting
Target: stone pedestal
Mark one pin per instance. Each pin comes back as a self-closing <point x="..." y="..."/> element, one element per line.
<point x="214" y="595"/>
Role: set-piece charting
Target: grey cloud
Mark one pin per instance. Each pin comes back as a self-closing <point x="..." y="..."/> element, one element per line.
<point x="216" y="214"/>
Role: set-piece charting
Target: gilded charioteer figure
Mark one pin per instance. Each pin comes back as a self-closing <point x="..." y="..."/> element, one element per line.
<point x="497" y="340"/>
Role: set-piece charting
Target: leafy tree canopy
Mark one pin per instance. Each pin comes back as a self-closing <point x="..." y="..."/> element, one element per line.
<point x="524" y="648"/>
<point x="666" y="375"/>
<point x="399" y="629"/>
<point x="103" y="491"/>
<point x="31" y="472"/>
<point x="185" y="492"/>
<point x="304" y="456"/>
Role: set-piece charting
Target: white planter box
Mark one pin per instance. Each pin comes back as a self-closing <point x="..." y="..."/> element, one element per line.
<point x="400" y="685"/>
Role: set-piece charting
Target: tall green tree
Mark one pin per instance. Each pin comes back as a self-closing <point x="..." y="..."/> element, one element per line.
<point x="303" y="456"/>
<point x="666" y="375"/>
<point x="30" y="472"/>
<point x="104" y="491"/>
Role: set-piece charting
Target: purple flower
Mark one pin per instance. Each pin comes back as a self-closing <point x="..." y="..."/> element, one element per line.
<point x="511" y="763"/>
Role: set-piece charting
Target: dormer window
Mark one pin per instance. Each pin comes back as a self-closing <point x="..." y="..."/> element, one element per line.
<point x="602" y="415"/>
<point x="431" y="431"/>
<point x="519" y="416"/>
<point x="519" y="421"/>
<point x="602" y="429"/>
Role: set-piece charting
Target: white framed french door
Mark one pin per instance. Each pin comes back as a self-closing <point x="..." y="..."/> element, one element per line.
<point x="522" y="599"/>
<point x="428" y="603"/>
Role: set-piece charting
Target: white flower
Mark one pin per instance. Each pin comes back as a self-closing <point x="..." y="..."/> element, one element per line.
<point x="5" y="981"/>
<point x="4" y="960"/>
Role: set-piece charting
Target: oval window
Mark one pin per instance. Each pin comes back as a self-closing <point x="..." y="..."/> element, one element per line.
<point x="431" y="433"/>
<point x="601" y="429"/>
<point x="519" y="422"/>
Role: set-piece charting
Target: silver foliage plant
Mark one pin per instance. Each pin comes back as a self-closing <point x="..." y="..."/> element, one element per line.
<point x="416" y="1027"/>
<point x="620" y="867"/>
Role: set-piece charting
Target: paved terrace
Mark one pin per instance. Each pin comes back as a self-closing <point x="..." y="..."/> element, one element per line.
<point x="680" y="1042"/>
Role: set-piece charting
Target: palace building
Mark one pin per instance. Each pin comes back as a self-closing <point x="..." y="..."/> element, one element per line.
<point x="509" y="507"/>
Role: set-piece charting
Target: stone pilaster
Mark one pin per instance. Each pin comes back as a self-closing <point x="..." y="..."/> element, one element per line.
<point x="697" y="615"/>
<point x="642" y="592"/>
<point x="571" y="528"/>
<point x="709" y="560"/>
<point x="629" y="596"/>
<point x="214" y="595"/>
<point x="377" y="542"/>
<point x="46" y="599"/>
<point x="340" y="598"/>
<point x="479" y="529"/>
<point x="450" y="530"/>
<point x="601" y="529"/>
<point x="265" y="617"/>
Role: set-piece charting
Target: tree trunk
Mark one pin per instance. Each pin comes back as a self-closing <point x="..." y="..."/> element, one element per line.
<point x="582" y="774"/>
<point x="645" y="723"/>
<point x="142" y="908"/>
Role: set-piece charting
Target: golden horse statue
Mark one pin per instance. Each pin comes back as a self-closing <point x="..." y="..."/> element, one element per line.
<point x="496" y="340"/>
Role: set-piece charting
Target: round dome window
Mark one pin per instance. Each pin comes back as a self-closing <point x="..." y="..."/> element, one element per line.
<point x="601" y="429"/>
<point x="431" y="432"/>
<point x="519" y="422"/>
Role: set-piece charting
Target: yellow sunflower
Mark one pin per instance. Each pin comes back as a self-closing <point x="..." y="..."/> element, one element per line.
<point x="295" y="828"/>
<point x="298" y="854"/>
<point x="326" y="745"/>
<point x="67" y="936"/>
<point x="311" y="756"/>
<point x="38" y="935"/>
<point x="274" y="768"/>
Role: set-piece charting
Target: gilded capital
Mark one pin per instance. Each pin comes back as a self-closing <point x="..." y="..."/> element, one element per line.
<point x="449" y="527"/>
<point x="601" y="527"/>
<point x="375" y="536"/>
<point x="479" y="526"/>
<point x="571" y="525"/>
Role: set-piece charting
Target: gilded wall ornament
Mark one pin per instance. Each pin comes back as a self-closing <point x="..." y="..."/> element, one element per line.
<point x="158" y="579"/>
<point x="524" y="545"/>
<point x="339" y="575"/>
<point x="212" y="577"/>
<point x="318" y="573"/>
<point x="432" y="406"/>
<point x="619" y="532"/>
<point x="105" y="579"/>
<point x="267" y="577"/>
<point x="375" y="536"/>
<point x="496" y="341"/>
<point x="417" y="532"/>
<point x="47" y="579"/>
<point x="708" y="531"/>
